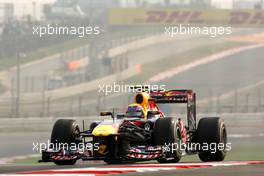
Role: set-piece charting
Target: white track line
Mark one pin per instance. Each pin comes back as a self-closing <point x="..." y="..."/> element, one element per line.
<point x="245" y="135"/>
<point x="125" y="169"/>
<point x="206" y="60"/>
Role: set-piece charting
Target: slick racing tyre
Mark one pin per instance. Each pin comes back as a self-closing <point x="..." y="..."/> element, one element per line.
<point x="65" y="131"/>
<point x="211" y="131"/>
<point x="165" y="132"/>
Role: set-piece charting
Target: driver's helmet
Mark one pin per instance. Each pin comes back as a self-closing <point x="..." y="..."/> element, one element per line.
<point x="135" y="110"/>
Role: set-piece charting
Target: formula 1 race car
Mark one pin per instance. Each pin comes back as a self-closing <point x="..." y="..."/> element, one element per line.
<point x="141" y="133"/>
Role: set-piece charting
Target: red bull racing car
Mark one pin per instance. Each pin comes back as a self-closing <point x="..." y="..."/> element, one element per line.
<point x="143" y="132"/>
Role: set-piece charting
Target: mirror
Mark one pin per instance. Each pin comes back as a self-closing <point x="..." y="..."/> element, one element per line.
<point x="153" y="112"/>
<point x="106" y="114"/>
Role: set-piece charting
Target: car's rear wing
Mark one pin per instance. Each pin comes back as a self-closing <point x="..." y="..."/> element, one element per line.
<point x="173" y="96"/>
<point x="179" y="96"/>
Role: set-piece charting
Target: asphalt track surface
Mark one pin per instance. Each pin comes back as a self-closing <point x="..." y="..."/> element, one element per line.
<point x="234" y="72"/>
<point x="140" y="56"/>
<point x="242" y="168"/>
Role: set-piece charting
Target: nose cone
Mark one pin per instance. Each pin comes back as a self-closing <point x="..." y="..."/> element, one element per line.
<point x="105" y="130"/>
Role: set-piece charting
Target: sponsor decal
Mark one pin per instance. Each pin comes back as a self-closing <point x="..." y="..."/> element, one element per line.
<point x="140" y="16"/>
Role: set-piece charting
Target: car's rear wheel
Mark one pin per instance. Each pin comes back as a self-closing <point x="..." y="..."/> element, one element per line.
<point x="211" y="131"/>
<point x="65" y="131"/>
<point x="166" y="133"/>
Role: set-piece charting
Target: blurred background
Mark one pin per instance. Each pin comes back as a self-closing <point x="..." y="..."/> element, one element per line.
<point x="58" y="76"/>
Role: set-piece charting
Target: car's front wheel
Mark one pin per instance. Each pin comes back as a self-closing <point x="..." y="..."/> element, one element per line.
<point x="166" y="133"/>
<point x="65" y="132"/>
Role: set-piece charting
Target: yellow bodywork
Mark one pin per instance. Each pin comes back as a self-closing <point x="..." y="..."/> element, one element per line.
<point x="105" y="130"/>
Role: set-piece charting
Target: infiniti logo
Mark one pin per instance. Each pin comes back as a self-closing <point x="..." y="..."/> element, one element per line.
<point x="147" y="126"/>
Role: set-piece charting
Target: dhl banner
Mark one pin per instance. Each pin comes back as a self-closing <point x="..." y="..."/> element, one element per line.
<point x="137" y="16"/>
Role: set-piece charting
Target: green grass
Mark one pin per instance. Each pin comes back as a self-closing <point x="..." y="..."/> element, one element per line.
<point x="147" y="71"/>
<point x="2" y="88"/>
<point x="244" y="152"/>
<point x="180" y="59"/>
<point x="27" y="161"/>
<point x="6" y="63"/>
<point x="164" y="64"/>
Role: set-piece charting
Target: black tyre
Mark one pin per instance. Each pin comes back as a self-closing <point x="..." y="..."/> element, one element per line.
<point x="65" y="162"/>
<point x="113" y="161"/>
<point x="118" y="161"/>
<point x="165" y="132"/>
<point x="93" y="125"/>
<point x="65" y="131"/>
<point x="211" y="131"/>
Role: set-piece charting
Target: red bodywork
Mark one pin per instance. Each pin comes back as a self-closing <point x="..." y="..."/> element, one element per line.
<point x="173" y="96"/>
